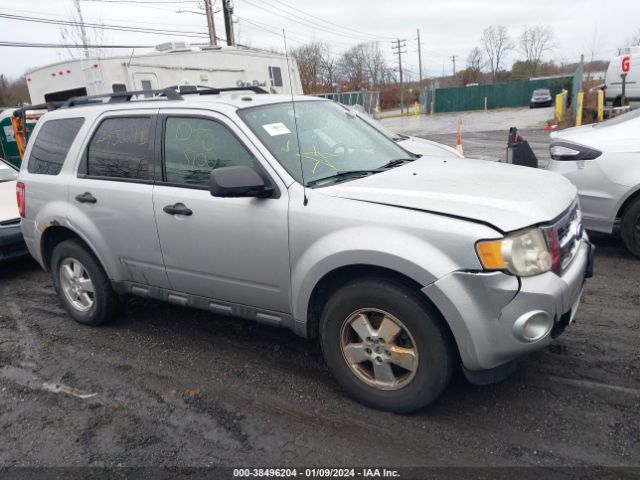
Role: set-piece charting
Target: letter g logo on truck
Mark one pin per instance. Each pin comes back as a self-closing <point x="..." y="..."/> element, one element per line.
<point x="626" y="65"/>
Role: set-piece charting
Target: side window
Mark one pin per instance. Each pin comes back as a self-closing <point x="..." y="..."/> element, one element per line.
<point x="275" y="75"/>
<point x="52" y="144"/>
<point x="121" y="148"/>
<point x="195" y="146"/>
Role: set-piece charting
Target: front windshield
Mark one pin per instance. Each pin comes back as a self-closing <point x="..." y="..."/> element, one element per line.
<point x="332" y="140"/>
<point x="381" y="128"/>
<point x="7" y="172"/>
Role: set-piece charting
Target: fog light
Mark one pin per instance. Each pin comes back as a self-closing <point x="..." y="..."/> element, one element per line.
<point x="533" y="326"/>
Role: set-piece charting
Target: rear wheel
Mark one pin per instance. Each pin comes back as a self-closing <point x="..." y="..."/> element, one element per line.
<point x="630" y="227"/>
<point x="81" y="284"/>
<point x="386" y="346"/>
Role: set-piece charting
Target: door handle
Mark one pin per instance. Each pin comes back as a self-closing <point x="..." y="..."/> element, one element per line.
<point x="86" y="197"/>
<point x="178" y="209"/>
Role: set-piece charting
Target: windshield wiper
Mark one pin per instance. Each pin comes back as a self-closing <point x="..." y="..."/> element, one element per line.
<point x="395" y="163"/>
<point x="344" y="175"/>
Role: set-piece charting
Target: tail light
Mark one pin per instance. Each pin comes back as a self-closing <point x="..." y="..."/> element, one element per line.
<point x="572" y="151"/>
<point x="21" y="198"/>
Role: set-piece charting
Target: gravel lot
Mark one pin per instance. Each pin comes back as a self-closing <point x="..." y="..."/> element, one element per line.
<point x="173" y="386"/>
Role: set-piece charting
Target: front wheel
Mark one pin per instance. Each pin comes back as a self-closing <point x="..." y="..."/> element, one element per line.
<point x="386" y="346"/>
<point x="630" y="227"/>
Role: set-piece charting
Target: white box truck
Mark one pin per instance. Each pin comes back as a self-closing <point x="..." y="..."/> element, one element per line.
<point x="170" y="64"/>
<point x="627" y="62"/>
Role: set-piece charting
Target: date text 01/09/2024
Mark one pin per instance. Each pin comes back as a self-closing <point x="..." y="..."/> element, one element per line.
<point x="315" y="473"/>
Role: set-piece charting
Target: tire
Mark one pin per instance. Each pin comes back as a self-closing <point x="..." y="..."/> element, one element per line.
<point x="104" y="303"/>
<point x="378" y="300"/>
<point x="630" y="227"/>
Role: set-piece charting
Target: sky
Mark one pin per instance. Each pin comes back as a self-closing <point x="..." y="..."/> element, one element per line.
<point x="453" y="27"/>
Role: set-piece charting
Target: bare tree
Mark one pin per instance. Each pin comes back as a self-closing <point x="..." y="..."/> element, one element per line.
<point x="534" y="42"/>
<point x="363" y="66"/>
<point x="475" y="59"/>
<point x="309" y="59"/>
<point x="317" y="67"/>
<point x="496" y="43"/>
<point x="13" y="92"/>
<point x="77" y="33"/>
<point x="635" y="40"/>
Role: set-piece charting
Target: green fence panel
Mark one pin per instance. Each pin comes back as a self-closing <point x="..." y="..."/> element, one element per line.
<point x="497" y="95"/>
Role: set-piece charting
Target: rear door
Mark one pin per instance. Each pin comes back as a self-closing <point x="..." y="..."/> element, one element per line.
<point x="111" y="198"/>
<point x="230" y="249"/>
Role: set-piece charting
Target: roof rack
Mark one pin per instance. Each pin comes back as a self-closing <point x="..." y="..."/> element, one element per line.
<point x="207" y="90"/>
<point x="116" y="97"/>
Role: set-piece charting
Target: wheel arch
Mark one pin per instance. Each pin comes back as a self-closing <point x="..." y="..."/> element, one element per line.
<point x="635" y="194"/>
<point x="56" y="234"/>
<point x="336" y="278"/>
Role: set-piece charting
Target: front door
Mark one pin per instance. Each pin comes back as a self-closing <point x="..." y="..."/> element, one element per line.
<point x="231" y="249"/>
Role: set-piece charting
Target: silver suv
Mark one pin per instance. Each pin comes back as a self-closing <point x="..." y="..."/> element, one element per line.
<point x="302" y="215"/>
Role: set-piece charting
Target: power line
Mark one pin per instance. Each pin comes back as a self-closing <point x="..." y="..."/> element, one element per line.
<point x="323" y="20"/>
<point x="139" y="2"/>
<point x="102" y="18"/>
<point x="121" y="28"/>
<point x="308" y="23"/>
<point x="4" y="43"/>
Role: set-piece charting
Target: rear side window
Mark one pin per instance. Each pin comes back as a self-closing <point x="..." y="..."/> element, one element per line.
<point x="52" y="144"/>
<point x="121" y="149"/>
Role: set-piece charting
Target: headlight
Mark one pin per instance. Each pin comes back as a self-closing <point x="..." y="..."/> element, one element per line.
<point x="523" y="254"/>
<point x="572" y="151"/>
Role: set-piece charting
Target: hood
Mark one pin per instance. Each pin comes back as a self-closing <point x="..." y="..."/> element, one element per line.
<point x="428" y="148"/>
<point x="509" y="197"/>
<point x="8" y="203"/>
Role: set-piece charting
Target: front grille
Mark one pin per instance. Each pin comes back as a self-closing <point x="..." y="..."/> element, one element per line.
<point x="569" y="233"/>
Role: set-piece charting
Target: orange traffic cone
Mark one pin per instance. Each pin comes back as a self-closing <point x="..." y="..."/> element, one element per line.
<point x="459" y="137"/>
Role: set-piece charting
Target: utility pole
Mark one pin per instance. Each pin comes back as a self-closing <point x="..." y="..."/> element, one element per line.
<point x="227" y="8"/>
<point x="399" y="45"/>
<point x="83" y="30"/>
<point x="210" y="24"/>
<point x="453" y="59"/>
<point x="419" y="58"/>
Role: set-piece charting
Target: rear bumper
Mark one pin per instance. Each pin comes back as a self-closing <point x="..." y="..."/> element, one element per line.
<point x="484" y="309"/>
<point x="11" y="242"/>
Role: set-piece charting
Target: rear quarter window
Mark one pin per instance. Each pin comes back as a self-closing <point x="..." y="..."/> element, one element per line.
<point x="51" y="145"/>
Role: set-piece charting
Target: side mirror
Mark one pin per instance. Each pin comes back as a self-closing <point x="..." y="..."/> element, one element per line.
<point x="238" y="181"/>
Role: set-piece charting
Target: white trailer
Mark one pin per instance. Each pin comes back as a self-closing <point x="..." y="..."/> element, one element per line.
<point x="627" y="63"/>
<point x="173" y="63"/>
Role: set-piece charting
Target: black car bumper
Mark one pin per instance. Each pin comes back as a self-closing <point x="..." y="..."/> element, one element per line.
<point x="540" y="103"/>
<point x="11" y="242"/>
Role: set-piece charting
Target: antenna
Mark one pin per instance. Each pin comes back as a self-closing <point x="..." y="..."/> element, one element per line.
<point x="295" y="120"/>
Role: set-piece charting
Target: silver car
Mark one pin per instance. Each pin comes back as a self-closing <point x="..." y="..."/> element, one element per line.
<point x="603" y="161"/>
<point x="303" y="216"/>
<point x="11" y="243"/>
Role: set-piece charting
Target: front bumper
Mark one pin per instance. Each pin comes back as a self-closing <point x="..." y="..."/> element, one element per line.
<point x="11" y="242"/>
<point x="482" y="308"/>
